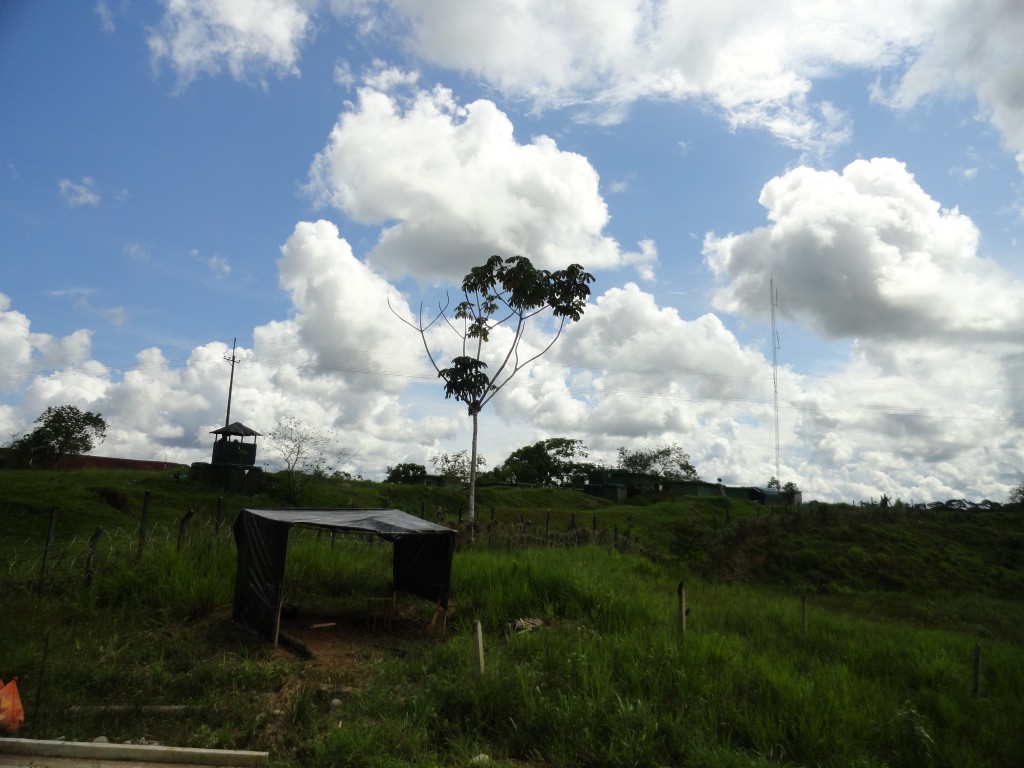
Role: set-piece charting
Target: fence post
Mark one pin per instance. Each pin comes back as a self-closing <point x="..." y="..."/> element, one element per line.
<point x="977" y="669"/>
<point x="681" y="617"/>
<point x="46" y="551"/>
<point x="220" y="515"/>
<point x="803" y="605"/>
<point x="39" y="686"/>
<point x="547" y="524"/>
<point x="478" y="631"/>
<point x="142" y="526"/>
<point x="181" y="528"/>
<point x="91" y="557"/>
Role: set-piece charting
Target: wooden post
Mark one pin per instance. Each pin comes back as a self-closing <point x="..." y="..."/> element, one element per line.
<point x="492" y="513"/>
<point x="220" y="514"/>
<point x="277" y="611"/>
<point x="91" y="557"/>
<point x="547" y="524"/>
<point x="39" y="686"/>
<point x="593" y="525"/>
<point x="181" y="528"/>
<point x="46" y="550"/>
<point x="803" y="605"/>
<point x="681" y="617"/>
<point x="977" y="670"/>
<point x="142" y="526"/>
<point x="478" y="631"/>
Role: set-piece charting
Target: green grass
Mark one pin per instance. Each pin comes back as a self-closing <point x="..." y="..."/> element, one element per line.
<point x="882" y="676"/>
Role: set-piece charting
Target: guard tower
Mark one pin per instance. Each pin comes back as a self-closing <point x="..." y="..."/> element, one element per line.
<point x="233" y="464"/>
<point x="229" y="447"/>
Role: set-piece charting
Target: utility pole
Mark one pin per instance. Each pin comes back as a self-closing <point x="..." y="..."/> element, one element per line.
<point x="774" y="298"/>
<point x="231" y="382"/>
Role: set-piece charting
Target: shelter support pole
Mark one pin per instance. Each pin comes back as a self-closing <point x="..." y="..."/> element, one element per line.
<point x="277" y="612"/>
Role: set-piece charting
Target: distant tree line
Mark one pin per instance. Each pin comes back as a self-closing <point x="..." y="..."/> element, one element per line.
<point x="553" y="462"/>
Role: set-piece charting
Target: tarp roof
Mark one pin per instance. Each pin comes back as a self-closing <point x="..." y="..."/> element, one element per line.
<point x="237" y="429"/>
<point x="381" y="521"/>
<point x="421" y="558"/>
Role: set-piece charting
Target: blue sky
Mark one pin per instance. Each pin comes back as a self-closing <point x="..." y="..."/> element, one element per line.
<point x="175" y="175"/>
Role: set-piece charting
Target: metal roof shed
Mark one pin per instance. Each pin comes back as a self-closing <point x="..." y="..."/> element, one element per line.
<point x="421" y="558"/>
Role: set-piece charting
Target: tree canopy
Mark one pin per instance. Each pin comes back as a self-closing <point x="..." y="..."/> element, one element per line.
<point x="1017" y="494"/>
<point x="547" y="462"/>
<point x="405" y="472"/>
<point x="456" y="466"/>
<point x="669" y="461"/>
<point x="307" y="453"/>
<point x="63" y="430"/>
<point x="502" y="292"/>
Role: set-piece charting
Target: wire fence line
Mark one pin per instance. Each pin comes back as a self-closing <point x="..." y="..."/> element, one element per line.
<point x="31" y="561"/>
<point x="80" y="556"/>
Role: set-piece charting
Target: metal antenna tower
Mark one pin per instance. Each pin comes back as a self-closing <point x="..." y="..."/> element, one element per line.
<point x="776" y="346"/>
<point x="231" y="382"/>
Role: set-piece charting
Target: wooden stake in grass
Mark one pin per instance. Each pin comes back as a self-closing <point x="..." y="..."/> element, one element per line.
<point x="181" y="528"/>
<point x="91" y="557"/>
<point x="478" y="632"/>
<point x="681" y="618"/>
<point x="803" y="606"/>
<point x="977" y="670"/>
<point x="46" y="551"/>
<point x="39" y="685"/>
<point x="142" y="526"/>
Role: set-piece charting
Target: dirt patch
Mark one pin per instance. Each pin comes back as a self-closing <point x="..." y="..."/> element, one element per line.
<point x="352" y="642"/>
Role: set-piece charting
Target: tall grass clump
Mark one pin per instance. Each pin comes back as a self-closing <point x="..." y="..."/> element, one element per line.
<point x="608" y="681"/>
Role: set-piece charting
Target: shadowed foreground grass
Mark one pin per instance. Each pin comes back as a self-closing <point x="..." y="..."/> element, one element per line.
<point x="607" y="680"/>
<point x="882" y="676"/>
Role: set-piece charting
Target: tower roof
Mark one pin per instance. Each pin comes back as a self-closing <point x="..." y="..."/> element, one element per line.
<point x="237" y="429"/>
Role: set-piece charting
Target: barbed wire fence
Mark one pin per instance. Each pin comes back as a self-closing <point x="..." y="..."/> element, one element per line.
<point x="39" y="565"/>
<point x="30" y="562"/>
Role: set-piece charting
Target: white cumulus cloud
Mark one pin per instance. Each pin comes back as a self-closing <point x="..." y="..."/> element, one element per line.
<point x="451" y="185"/>
<point x="866" y="253"/>
<point x="248" y="38"/>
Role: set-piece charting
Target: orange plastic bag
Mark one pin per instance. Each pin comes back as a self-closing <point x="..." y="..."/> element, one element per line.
<point x="12" y="714"/>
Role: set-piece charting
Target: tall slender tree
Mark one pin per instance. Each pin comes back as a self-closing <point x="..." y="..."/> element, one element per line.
<point x="507" y="292"/>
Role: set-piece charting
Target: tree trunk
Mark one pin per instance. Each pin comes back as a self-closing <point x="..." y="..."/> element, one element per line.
<point x="472" y="477"/>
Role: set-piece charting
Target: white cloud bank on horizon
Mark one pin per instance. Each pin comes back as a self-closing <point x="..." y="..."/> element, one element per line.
<point x="631" y="372"/>
<point x="929" y="397"/>
<point x="755" y="64"/>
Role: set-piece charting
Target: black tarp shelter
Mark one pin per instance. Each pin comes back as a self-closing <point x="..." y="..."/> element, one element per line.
<point x="421" y="559"/>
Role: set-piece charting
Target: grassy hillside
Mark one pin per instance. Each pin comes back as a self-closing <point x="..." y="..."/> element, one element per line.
<point x="881" y="675"/>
